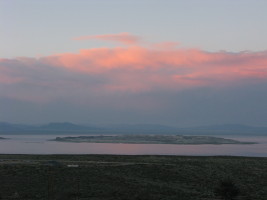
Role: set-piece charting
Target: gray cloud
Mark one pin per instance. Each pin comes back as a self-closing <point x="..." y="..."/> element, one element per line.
<point x="38" y="91"/>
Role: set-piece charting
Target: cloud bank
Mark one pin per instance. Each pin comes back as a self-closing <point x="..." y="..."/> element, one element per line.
<point x="137" y="69"/>
<point x="133" y="81"/>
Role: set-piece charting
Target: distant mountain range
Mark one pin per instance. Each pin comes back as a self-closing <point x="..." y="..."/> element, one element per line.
<point x="239" y="127"/>
<point x="70" y="128"/>
<point x="146" y="127"/>
<point x="54" y="127"/>
<point x="65" y="126"/>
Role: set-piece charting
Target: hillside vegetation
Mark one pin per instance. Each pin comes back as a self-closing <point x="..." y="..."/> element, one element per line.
<point x="98" y="177"/>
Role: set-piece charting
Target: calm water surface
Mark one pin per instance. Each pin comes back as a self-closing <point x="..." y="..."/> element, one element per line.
<point x="39" y="144"/>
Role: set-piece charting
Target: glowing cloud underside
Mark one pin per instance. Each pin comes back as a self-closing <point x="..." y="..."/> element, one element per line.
<point x="132" y="69"/>
<point x="139" y="68"/>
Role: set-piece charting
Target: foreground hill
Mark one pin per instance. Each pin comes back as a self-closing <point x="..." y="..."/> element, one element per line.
<point x="108" y="177"/>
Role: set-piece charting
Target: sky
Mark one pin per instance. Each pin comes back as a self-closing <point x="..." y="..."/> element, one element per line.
<point x="177" y="62"/>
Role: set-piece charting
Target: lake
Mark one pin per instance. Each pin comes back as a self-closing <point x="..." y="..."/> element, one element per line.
<point x="39" y="144"/>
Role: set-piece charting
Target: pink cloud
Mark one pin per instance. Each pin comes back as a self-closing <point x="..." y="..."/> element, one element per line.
<point x="135" y="69"/>
<point x="124" y="38"/>
<point x="4" y="79"/>
<point x="139" y="68"/>
<point x="165" y="45"/>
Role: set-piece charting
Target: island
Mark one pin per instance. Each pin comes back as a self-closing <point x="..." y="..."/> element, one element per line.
<point x="149" y="139"/>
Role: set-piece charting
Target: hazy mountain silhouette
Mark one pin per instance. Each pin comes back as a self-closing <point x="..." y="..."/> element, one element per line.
<point x="228" y="127"/>
<point x="54" y="127"/>
<point x="140" y="127"/>
<point x="71" y="128"/>
<point x="65" y="126"/>
<point x="5" y="126"/>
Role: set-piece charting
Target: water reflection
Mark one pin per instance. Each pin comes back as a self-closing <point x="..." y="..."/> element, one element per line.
<point x="29" y="144"/>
